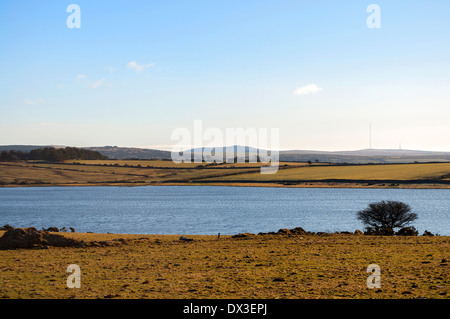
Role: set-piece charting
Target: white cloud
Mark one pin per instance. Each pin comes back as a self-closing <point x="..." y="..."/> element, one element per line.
<point x="32" y="102"/>
<point x="308" y="89"/>
<point x="138" y="68"/>
<point x="97" y="84"/>
<point x="80" y="76"/>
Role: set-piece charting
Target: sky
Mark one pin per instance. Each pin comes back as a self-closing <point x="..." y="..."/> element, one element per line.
<point x="135" y="71"/>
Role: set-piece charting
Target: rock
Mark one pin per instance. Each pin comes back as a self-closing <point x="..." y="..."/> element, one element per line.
<point x="358" y="232"/>
<point x="407" y="231"/>
<point x="6" y="227"/>
<point x="242" y="235"/>
<point x="299" y="231"/>
<point x="185" y="239"/>
<point x="427" y="233"/>
<point x="51" y="229"/>
<point x="284" y="231"/>
<point x="379" y="231"/>
<point x="32" y="238"/>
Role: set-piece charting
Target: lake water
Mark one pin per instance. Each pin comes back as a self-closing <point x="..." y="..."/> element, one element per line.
<point x="211" y="209"/>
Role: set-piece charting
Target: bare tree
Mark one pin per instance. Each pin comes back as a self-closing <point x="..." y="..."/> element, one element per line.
<point x="387" y="215"/>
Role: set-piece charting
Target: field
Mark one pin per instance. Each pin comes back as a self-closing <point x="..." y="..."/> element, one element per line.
<point x="160" y="172"/>
<point x="400" y="172"/>
<point x="257" y="266"/>
<point x="119" y="172"/>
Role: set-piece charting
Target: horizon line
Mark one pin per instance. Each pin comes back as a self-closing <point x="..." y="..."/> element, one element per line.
<point x="169" y="147"/>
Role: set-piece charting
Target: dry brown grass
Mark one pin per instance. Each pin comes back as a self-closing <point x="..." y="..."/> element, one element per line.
<point x="132" y="173"/>
<point x="296" y="267"/>
<point x="354" y="172"/>
<point x="36" y="174"/>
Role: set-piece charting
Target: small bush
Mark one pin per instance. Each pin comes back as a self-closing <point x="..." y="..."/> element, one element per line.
<point x="385" y="216"/>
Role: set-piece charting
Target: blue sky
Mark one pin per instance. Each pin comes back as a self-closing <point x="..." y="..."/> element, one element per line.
<point x="137" y="70"/>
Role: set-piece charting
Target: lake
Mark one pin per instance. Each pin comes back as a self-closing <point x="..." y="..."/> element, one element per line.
<point x="211" y="209"/>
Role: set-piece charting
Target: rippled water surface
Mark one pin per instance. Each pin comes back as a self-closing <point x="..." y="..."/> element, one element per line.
<point x="210" y="209"/>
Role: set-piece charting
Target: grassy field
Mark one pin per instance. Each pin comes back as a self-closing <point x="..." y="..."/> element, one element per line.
<point x="119" y="172"/>
<point x="402" y="172"/>
<point x="258" y="266"/>
<point x="171" y="164"/>
<point x="96" y="174"/>
<point x="157" y="172"/>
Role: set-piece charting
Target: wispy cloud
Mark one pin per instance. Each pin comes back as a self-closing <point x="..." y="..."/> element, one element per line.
<point x="32" y="102"/>
<point x="308" y="89"/>
<point x="80" y="77"/>
<point x="97" y="84"/>
<point x="137" y="67"/>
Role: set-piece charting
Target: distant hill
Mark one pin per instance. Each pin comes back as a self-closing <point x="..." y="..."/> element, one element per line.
<point x="351" y="157"/>
<point x="50" y="154"/>
<point x="366" y="156"/>
<point x="21" y="148"/>
<point x="114" y="152"/>
<point x="235" y="148"/>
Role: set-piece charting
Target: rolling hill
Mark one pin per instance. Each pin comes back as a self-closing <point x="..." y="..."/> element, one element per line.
<point x="364" y="156"/>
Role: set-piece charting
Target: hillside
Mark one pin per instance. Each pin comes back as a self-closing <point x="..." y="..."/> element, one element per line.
<point x="115" y="152"/>
<point x="376" y="156"/>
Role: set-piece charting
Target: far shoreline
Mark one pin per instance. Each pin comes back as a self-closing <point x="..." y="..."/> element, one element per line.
<point x="347" y="185"/>
<point x="123" y="173"/>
